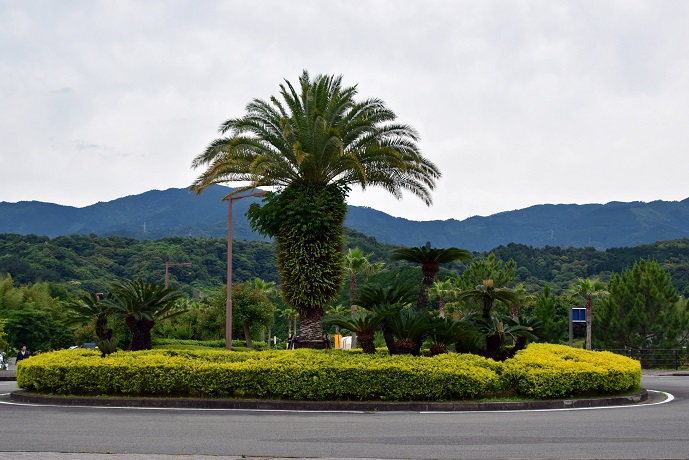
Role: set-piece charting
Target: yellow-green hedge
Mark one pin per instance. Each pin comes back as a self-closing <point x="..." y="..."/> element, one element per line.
<point x="539" y="371"/>
<point x="547" y="371"/>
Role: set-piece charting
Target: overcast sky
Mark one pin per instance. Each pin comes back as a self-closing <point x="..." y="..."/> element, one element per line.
<point x="518" y="103"/>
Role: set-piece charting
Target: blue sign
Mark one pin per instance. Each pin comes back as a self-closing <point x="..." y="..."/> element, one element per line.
<point x="578" y="314"/>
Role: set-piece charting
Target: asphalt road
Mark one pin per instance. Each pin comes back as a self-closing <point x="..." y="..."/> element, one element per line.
<point x="644" y="431"/>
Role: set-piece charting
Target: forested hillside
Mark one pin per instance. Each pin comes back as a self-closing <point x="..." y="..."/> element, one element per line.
<point x="176" y="212"/>
<point x="90" y="263"/>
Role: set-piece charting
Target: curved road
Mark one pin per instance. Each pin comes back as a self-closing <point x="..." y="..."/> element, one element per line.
<point x="644" y="431"/>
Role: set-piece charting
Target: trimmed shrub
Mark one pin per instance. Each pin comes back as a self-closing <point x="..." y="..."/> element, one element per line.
<point x="540" y="371"/>
<point x="546" y="371"/>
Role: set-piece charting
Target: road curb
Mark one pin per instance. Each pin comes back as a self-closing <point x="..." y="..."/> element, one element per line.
<point x="326" y="406"/>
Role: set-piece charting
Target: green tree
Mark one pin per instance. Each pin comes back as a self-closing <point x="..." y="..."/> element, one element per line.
<point x="357" y="263"/>
<point x="90" y="308"/>
<point x="141" y="304"/>
<point x="363" y="323"/>
<point x="430" y="260"/>
<point x="553" y="314"/>
<point x="641" y="310"/>
<point x="589" y="288"/>
<point x="442" y="289"/>
<point x="314" y="144"/>
<point x="251" y="308"/>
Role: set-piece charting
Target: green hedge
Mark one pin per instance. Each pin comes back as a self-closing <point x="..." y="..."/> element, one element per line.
<point x="538" y="371"/>
<point x="547" y="371"/>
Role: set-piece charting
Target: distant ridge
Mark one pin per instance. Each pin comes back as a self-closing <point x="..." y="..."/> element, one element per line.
<point x="176" y="212"/>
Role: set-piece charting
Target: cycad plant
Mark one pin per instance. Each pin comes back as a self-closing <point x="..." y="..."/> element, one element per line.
<point x="91" y="308"/>
<point x="141" y="304"/>
<point x="409" y="328"/>
<point x="387" y="301"/>
<point x="365" y="324"/>
<point x="447" y="332"/>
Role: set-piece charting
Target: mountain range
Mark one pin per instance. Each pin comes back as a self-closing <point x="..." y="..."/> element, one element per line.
<point x="176" y="212"/>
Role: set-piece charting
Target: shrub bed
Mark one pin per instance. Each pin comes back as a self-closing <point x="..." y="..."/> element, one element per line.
<point x="540" y="371"/>
<point x="547" y="371"/>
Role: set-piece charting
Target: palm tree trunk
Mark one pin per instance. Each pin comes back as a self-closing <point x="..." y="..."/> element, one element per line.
<point x="145" y="326"/>
<point x="429" y="271"/>
<point x="135" y="344"/>
<point x="588" y="321"/>
<point x="311" y="330"/>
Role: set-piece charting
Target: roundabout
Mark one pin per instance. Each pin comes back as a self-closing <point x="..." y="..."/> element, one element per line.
<point x="654" y="428"/>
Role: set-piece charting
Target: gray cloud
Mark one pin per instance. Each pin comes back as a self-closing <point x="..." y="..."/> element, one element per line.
<point x="519" y="103"/>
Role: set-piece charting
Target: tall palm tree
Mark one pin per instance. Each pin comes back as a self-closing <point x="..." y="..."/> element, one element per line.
<point x="487" y="294"/>
<point x="141" y="304"/>
<point x="442" y="289"/>
<point x="358" y="263"/>
<point x="589" y="288"/>
<point x="430" y="260"/>
<point x="291" y="315"/>
<point x="312" y="144"/>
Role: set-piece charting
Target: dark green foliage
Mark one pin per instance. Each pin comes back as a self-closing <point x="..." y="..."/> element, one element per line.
<point x="641" y="311"/>
<point x="430" y="260"/>
<point x="306" y="221"/>
<point x="409" y="327"/>
<point x="554" y="316"/>
<point x="364" y="324"/>
<point x="250" y="308"/>
<point x="36" y="329"/>
<point x="141" y="304"/>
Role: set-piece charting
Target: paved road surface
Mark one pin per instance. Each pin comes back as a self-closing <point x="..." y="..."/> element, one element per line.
<point x="647" y="431"/>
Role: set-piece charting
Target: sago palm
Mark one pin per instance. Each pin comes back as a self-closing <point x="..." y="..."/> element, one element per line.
<point x="430" y="260"/>
<point x="312" y="143"/>
<point x="141" y="304"/>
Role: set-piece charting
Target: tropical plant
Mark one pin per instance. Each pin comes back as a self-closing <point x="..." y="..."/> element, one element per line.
<point x="386" y="300"/>
<point x="446" y="332"/>
<point x="588" y="288"/>
<point x="337" y="310"/>
<point x="430" y="260"/>
<point x="409" y="328"/>
<point x="312" y="145"/>
<point x="486" y="294"/>
<point x="358" y="263"/>
<point x="90" y="308"/>
<point x="364" y="324"/>
<point x="442" y="289"/>
<point x="251" y="307"/>
<point x="141" y="304"/>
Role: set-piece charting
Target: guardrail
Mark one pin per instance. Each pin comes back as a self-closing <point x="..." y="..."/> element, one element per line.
<point x="657" y="359"/>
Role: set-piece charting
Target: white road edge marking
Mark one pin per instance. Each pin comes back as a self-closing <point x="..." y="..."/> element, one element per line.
<point x="669" y="398"/>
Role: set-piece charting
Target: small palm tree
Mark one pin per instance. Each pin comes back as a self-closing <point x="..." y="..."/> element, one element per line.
<point x="141" y="304"/>
<point x="487" y="294"/>
<point x="337" y="310"/>
<point x="90" y="308"/>
<point x="430" y="260"/>
<point x="358" y="263"/>
<point x="364" y="324"/>
<point x="589" y="288"/>
<point x="390" y="299"/>
<point x="446" y="332"/>
<point x="409" y="328"/>
<point x="442" y="289"/>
